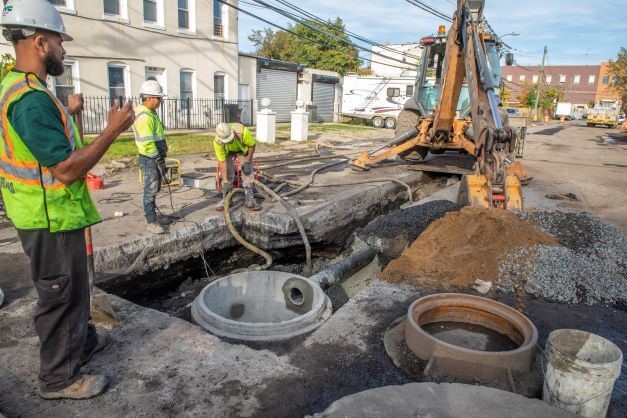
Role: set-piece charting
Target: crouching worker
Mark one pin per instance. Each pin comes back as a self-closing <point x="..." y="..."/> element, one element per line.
<point x="234" y="141"/>
<point x="152" y="148"/>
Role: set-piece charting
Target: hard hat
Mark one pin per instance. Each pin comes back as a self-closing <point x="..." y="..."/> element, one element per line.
<point x="224" y="133"/>
<point x="151" y="88"/>
<point x="26" y="16"/>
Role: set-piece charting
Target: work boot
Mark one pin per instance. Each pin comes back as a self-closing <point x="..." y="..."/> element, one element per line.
<point x="87" y="386"/>
<point x="103" y="340"/>
<point x="250" y="202"/>
<point x="220" y="206"/>
<point x="155" y="228"/>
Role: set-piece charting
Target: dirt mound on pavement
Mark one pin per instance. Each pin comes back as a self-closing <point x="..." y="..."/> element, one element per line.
<point x="463" y="246"/>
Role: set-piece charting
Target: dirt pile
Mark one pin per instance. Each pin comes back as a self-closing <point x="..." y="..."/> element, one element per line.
<point x="463" y="246"/>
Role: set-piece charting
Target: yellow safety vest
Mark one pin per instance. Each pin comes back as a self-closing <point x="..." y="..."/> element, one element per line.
<point x="34" y="199"/>
<point x="148" y="131"/>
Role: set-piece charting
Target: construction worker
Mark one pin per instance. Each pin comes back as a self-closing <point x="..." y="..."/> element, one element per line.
<point x="234" y="141"/>
<point x="150" y="141"/>
<point x="42" y="178"/>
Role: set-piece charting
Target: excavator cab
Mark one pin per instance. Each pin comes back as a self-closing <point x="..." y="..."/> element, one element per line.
<point x="455" y="108"/>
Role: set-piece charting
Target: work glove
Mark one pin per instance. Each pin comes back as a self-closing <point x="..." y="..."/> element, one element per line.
<point x="163" y="172"/>
<point x="226" y="188"/>
<point x="247" y="168"/>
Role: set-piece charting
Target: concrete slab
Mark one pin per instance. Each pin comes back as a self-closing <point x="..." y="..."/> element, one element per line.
<point x="440" y="400"/>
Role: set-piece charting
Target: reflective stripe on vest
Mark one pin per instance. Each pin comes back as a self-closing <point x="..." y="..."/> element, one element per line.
<point x="33" y="197"/>
<point x="144" y="142"/>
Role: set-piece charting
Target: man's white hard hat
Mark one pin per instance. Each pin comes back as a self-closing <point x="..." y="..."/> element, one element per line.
<point x="224" y="133"/>
<point x="30" y="15"/>
<point x="151" y="88"/>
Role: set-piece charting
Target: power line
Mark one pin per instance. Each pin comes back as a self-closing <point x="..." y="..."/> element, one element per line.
<point x="430" y="10"/>
<point x="317" y="29"/>
<point x="304" y="37"/>
<point x="351" y="34"/>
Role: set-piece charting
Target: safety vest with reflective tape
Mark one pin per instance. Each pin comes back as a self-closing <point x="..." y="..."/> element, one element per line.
<point x="149" y="133"/>
<point x="34" y="199"/>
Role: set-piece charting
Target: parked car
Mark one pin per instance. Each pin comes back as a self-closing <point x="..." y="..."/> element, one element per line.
<point x="621" y="119"/>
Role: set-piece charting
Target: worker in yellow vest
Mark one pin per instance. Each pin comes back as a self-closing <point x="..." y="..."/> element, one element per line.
<point x="234" y="141"/>
<point x="42" y="178"/>
<point x="152" y="148"/>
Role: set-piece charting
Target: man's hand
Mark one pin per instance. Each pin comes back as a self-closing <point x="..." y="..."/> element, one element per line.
<point x="119" y="120"/>
<point x="247" y="168"/>
<point x="163" y="171"/>
<point x="75" y="103"/>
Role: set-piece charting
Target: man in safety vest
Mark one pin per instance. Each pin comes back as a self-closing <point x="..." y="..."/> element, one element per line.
<point x="234" y="141"/>
<point x="150" y="141"/>
<point x="42" y="178"/>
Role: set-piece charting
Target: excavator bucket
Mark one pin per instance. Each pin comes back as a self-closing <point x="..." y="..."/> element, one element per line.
<point x="513" y="193"/>
<point x="474" y="191"/>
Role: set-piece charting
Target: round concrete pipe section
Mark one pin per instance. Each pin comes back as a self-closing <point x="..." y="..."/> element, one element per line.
<point x="450" y="359"/>
<point x="261" y="306"/>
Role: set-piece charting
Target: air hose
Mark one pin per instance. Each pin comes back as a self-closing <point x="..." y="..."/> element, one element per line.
<point x="238" y="237"/>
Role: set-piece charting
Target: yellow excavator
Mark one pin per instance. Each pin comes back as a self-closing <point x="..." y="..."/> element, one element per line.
<point x="455" y="107"/>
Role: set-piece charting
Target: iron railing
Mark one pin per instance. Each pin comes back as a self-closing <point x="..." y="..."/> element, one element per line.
<point x="174" y="113"/>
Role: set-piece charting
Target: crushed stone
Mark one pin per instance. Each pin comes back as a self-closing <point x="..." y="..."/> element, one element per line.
<point x="589" y="266"/>
<point x="462" y="247"/>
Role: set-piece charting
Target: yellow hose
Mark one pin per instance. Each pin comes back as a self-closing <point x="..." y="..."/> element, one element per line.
<point x="238" y="237"/>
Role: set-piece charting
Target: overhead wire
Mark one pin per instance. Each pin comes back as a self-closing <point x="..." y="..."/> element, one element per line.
<point x="351" y="34"/>
<point x="322" y="31"/>
<point x="406" y="67"/>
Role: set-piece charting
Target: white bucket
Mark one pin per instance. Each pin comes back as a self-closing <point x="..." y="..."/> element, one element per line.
<point x="580" y="372"/>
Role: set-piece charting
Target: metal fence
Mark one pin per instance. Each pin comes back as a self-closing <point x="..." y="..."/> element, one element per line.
<point x="174" y="113"/>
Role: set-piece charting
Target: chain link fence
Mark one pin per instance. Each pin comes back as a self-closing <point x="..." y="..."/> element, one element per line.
<point x="174" y="113"/>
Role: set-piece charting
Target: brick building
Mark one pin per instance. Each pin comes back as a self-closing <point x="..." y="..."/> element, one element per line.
<point x="580" y="83"/>
<point x="604" y="92"/>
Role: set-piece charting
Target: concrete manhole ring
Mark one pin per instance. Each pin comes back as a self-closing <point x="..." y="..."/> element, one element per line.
<point x="466" y="363"/>
<point x="261" y="306"/>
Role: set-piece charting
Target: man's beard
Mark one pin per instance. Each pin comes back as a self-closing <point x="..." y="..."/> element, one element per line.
<point x="54" y="67"/>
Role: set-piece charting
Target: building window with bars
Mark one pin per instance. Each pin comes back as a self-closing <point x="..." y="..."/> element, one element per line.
<point x="218" y="27"/>
<point x="186" y="87"/>
<point x="219" y="86"/>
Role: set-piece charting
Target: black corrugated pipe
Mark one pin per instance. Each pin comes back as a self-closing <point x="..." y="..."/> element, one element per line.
<point x="344" y="269"/>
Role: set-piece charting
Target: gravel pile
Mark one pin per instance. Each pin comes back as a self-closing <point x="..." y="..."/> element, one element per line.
<point x="589" y="266"/>
<point x="391" y="233"/>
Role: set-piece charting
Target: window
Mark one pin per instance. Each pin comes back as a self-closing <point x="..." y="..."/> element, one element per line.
<point x="119" y="81"/>
<point x="153" y="13"/>
<point x="576" y="79"/>
<point x="521" y="77"/>
<point x="65" y="5"/>
<point x="606" y="80"/>
<point x="509" y="77"/>
<point x="187" y="86"/>
<point x="218" y="85"/>
<point x="549" y="78"/>
<point x="535" y="79"/>
<point x="562" y="78"/>
<point x="394" y="92"/>
<point x="112" y="7"/>
<point x="64" y="84"/>
<point x="409" y="90"/>
<point x="183" y="14"/>
<point x="218" y="27"/>
<point x="591" y="79"/>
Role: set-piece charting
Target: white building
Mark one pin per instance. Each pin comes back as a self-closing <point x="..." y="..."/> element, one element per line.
<point x="189" y="46"/>
<point x="407" y="53"/>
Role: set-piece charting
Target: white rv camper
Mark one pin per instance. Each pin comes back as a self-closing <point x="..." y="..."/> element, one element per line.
<point x="376" y="98"/>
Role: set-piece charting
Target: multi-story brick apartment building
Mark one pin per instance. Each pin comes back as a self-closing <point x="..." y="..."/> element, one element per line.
<point x="580" y="83"/>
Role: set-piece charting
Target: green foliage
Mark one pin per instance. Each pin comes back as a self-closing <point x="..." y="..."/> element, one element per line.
<point x="547" y="98"/>
<point x="309" y="47"/>
<point x="7" y="62"/>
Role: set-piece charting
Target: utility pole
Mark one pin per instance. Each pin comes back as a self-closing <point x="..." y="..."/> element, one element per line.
<point x="541" y="80"/>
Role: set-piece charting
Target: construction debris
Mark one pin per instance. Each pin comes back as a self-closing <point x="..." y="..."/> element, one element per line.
<point x="462" y="247"/>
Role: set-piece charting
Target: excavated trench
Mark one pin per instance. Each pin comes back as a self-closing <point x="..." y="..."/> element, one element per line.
<point x="173" y="289"/>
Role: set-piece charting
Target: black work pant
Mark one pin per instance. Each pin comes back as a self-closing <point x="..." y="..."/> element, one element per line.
<point x="59" y="272"/>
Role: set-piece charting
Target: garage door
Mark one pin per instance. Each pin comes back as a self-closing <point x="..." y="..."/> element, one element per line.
<point x="280" y="87"/>
<point x="324" y="99"/>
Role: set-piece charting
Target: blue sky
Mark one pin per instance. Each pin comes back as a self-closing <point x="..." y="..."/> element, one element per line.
<point x="576" y="32"/>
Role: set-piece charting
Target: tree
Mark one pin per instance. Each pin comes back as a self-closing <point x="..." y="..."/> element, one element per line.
<point x="309" y="46"/>
<point x="618" y="72"/>
<point x="547" y="97"/>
